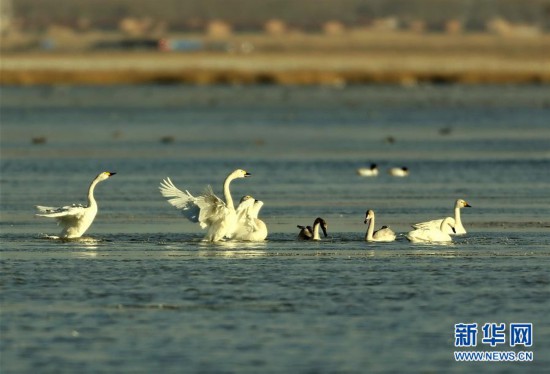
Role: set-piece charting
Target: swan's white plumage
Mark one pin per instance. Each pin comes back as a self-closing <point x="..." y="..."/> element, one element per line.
<point x="372" y="171"/>
<point x="455" y="222"/>
<point x="75" y="219"/>
<point x="250" y="227"/>
<point x="212" y="213"/>
<point x="399" y="172"/>
<point x="431" y="235"/>
<point x="385" y="234"/>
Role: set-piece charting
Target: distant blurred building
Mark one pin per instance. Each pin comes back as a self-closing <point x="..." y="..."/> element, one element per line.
<point x="417" y="26"/>
<point x="275" y="27"/>
<point x="502" y="27"/>
<point x="219" y="29"/>
<point x="334" y="28"/>
<point x="385" y="24"/>
<point x="453" y="27"/>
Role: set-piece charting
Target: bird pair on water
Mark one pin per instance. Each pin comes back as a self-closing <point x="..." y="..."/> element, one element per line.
<point x="223" y="221"/>
<point x="218" y="217"/>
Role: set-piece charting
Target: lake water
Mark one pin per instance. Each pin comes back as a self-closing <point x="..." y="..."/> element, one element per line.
<point x="142" y="293"/>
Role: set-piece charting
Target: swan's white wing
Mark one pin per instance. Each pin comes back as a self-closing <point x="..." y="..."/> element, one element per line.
<point x="212" y="208"/>
<point x="244" y="211"/>
<point x="75" y="210"/>
<point x="207" y="209"/>
<point x="66" y="216"/>
<point x="428" y="235"/>
<point x="436" y="223"/>
<point x="385" y="233"/>
<point x="181" y="200"/>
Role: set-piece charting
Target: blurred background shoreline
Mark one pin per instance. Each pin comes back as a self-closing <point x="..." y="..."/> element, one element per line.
<point x="282" y="42"/>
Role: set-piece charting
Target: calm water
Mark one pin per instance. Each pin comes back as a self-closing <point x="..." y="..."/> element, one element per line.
<point x="142" y="293"/>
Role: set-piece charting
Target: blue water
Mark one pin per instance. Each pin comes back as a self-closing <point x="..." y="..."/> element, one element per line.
<point x="142" y="293"/>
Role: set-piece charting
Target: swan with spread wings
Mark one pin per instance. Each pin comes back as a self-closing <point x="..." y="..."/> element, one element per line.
<point x="75" y="219"/>
<point x="218" y="217"/>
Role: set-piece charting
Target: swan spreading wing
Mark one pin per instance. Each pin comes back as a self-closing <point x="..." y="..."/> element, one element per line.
<point x="211" y="212"/>
<point x="204" y="209"/>
<point x="66" y="216"/>
<point x="76" y="218"/>
<point x="74" y="210"/>
<point x="211" y="208"/>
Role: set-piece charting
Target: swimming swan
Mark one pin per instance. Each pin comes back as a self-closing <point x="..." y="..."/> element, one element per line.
<point x="212" y="213"/>
<point x="306" y="233"/>
<point x="76" y="218"/>
<point x="385" y="234"/>
<point x="399" y="172"/>
<point x="456" y="222"/>
<point x="432" y="235"/>
<point x="250" y="227"/>
<point x="372" y="171"/>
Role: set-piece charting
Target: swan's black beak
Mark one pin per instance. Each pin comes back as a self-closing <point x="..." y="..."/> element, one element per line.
<point x="324" y="228"/>
<point x="111" y="174"/>
<point x="247" y="174"/>
<point x="453" y="229"/>
<point x="468" y="205"/>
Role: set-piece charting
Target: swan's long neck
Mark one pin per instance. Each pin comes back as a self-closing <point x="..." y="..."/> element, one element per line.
<point x="370" y="229"/>
<point x="316" y="231"/>
<point x="458" y="222"/>
<point x="227" y="192"/>
<point x="91" y="199"/>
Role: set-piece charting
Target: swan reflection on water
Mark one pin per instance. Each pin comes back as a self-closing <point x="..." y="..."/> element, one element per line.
<point x="233" y="249"/>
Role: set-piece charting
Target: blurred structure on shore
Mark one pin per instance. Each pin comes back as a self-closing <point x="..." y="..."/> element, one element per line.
<point x="25" y="23"/>
<point x="295" y="42"/>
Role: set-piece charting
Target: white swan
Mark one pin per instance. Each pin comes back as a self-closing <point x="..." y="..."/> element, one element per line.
<point x="307" y="233"/>
<point x="399" y="172"/>
<point x="212" y="213"/>
<point x="385" y="234"/>
<point x="432" y="235"/>
<point x="250" y="227"/>
<point x="76" y="218"/>
<point x="456" y="222"/>
<point x="371" y="171"/>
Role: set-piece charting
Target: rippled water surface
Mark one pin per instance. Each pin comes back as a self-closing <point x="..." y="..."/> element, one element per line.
<point x="142" y="293"/>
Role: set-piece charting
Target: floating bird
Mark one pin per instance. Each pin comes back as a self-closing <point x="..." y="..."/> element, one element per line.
<point x="307" y="233"/>
<point x="385" y="234"/>
<point x="76" y="218"/>
<point x="399" y="172"/>
<point x="433" y="234"/>
<point x="372" y="171"/>
<point x="212" y="213"/>
<point x="250" y="227"/>
<point x="456" y="222"/>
